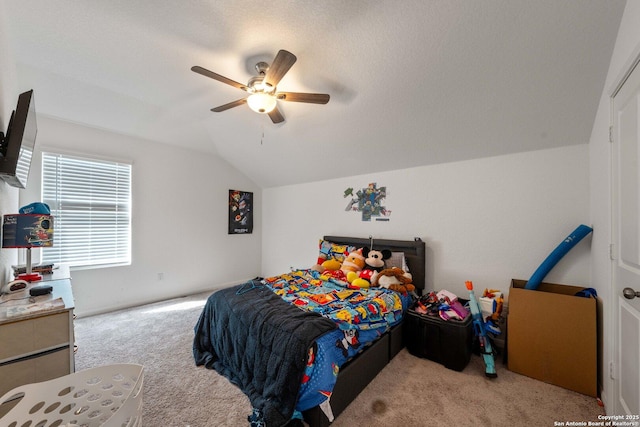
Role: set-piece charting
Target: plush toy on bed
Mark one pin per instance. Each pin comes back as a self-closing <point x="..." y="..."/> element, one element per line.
<point x="395" y="279"/>
<point x="353" y="262"/>
<point x="328" y="265"/>
<point x="330" y="256"/>
<point x="373" y="264"/>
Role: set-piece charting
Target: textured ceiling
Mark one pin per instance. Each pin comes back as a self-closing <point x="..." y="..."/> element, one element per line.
<point x="411" y="82"/>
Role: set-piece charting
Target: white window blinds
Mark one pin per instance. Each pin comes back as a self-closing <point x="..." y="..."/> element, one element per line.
<point x="90" y="201"/>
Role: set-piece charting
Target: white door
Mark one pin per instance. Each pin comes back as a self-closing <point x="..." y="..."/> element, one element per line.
<point x="626" y="243"/>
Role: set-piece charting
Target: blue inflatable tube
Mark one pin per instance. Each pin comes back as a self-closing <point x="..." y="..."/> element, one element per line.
<point x="561" y="250"/>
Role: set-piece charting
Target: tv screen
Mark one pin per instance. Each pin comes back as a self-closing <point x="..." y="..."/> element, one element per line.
<point x="18" y="145"/>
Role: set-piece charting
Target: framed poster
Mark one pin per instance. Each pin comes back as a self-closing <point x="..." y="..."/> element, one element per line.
<point x="240" y="212"/>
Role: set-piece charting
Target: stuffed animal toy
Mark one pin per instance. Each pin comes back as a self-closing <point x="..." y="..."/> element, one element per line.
<point x="330" y="264"/>
<point x="373" y="262"/>
<point x="355" y="281"/>
<point x="395" y="279"/>
<point x="353" y="262"/>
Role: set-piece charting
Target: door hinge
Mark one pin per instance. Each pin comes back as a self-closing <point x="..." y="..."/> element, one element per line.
<point x="611" y="257"/>
<point x="611" y="134"/>
<point x="612" y="372"/>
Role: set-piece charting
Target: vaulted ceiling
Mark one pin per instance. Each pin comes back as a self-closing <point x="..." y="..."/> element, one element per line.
<point x="412" y="82"/>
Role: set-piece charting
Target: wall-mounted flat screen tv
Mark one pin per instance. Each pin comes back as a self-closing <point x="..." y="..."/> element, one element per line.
<point x="16" y="148"/>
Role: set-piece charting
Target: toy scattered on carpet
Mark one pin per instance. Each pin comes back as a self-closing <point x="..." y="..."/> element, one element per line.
<point x="486" y="350"/>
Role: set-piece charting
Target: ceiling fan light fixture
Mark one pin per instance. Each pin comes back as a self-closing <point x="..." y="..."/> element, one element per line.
<point x="261" y="89"/>
<point x="261" y="102"/>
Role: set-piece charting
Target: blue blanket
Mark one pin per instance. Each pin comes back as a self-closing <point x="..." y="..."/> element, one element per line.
<point x="260" y="343"/>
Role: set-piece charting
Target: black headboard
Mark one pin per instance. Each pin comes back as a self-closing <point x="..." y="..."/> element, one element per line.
<point x="414" y="253"/>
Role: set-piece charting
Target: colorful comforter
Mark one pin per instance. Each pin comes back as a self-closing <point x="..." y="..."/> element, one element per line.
<point x="260" y="343"/>
<point x="240" y="352"/>
<point x="362" y="316"/>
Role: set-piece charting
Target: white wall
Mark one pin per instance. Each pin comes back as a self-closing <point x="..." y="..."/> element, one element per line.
<point x="487" y="220"/>
<point x="627" y="48"/>
<point x="8" y="100"/>
<point x="179" y="219"/>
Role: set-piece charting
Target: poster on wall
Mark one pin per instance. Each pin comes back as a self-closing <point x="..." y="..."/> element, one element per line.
<point x="368" y="201"/>
<point x="240" y="212"/>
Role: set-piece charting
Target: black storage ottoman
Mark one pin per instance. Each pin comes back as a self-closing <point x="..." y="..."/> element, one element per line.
<point x="446" y="342"/>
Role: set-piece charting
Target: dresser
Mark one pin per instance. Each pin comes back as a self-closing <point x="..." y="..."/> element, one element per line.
<point x="36" y="333"/>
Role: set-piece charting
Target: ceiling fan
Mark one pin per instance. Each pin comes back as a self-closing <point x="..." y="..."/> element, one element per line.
<point x="262" y="89"/>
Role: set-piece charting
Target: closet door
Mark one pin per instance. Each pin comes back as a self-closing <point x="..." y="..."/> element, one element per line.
<point x="625" y="135"/>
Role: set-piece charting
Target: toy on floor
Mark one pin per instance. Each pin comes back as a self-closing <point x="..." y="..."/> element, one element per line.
<point x="481" y="333"/>
<point x="491" y="303"/>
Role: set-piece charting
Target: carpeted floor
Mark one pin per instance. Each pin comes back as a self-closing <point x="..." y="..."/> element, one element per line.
<point x="409" y="391"/>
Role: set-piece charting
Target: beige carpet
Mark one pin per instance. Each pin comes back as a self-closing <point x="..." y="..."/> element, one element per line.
<point x="408" y="392"/>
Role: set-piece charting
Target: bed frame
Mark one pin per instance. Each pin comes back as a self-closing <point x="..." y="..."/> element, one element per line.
<point x="357" y="373"/>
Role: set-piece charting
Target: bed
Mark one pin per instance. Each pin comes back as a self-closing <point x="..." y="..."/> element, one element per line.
<point x="285" y="355"/>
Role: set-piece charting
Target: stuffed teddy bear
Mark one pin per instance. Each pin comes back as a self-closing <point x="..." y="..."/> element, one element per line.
<point x="395" y="279"/>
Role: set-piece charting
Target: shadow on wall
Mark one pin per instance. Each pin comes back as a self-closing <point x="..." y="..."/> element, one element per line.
<point x="430" y="265"/>
<point x="8" y="205"/>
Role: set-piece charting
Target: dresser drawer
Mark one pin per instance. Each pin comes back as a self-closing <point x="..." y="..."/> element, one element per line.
<point x="29" y="336"/>
<point x="45" y="367"/>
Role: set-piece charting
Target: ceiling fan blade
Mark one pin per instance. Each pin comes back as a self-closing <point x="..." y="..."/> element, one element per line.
<point x="218" y="77"/>
<point x="313" y="98"/>
<point x="229" y="105"/>
<point x="275" y="115"/>
<point x="281" y="64"/>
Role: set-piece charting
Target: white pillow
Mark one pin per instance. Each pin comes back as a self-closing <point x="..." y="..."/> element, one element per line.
<point x="397" y="260"/>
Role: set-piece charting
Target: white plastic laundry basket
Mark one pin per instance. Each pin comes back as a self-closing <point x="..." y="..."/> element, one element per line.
<point x="108" y="396"/>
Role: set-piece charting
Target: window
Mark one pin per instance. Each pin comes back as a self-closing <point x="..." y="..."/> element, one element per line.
<point x="90" y="201"/>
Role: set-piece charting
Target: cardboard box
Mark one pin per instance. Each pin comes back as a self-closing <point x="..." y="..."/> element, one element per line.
<point x="552" y="336"/>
